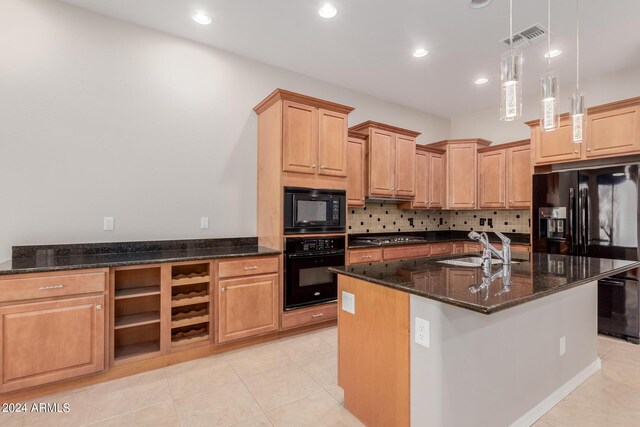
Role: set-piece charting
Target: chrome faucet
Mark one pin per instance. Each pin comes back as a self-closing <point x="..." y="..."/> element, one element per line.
<point x="489" y="249"/>
<point x="487" y="279"/>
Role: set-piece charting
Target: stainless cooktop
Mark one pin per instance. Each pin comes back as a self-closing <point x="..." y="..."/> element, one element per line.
<point x="386" y="240"/>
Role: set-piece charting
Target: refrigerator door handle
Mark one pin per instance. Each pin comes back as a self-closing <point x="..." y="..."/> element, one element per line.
<point x="584" y="223"/>
<point x="573" y="241"/>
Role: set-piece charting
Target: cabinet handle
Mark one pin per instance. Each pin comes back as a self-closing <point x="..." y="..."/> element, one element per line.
<point x="315" y="316"/>
<point x="314" y="166"/>
<point x="588" y="149"/>
<point x="510" y="202"/>
<point x="223" y="289"/>
<point x="253" y="267"/>
<point x="46" y="288"/>
<point x="99" y="307"/>
<point x="321" y="166"/>
<point x="575" y="152"/>
<point x="366" y="256"/>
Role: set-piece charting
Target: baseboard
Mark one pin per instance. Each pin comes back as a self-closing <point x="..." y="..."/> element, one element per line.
<point x="554" y="398"/>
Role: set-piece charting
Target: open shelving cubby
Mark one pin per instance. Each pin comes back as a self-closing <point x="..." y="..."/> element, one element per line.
<point x="190" y="304"/>
<point x="136" y="312"/>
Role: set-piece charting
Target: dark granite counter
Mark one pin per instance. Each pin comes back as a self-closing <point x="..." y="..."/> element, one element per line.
<point x="461" y="286"/>
<point x="38" y="259"/>
<point x="436" y="237"/>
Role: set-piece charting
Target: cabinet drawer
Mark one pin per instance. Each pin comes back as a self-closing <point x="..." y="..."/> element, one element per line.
<point x="248" y="267"/>
<point x="51" y="285"/>
<point x="365" y="255"/>
<point x="307" y="316"/>
<point x="472" y="247"/>
<point x="400" y="252"/>
<point x="520" y="248"/>
<point x="441" y="249"/>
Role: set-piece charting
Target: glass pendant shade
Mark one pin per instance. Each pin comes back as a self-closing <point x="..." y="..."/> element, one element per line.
<point x="511" y="86"/>
<point x="578" y="118"/>
<point x="549" y="114"/>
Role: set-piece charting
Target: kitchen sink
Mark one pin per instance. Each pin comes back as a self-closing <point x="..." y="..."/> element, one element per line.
<point x="470" y="261"/>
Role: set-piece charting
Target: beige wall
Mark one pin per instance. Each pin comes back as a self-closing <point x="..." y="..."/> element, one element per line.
<point x="486" y="123"/>
<point x="103" y="118"/>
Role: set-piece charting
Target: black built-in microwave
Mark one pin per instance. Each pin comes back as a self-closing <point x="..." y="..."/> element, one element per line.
<point x="310" y="210"/>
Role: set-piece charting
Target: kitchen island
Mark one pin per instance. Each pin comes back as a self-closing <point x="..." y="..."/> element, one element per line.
<point x="498" y="351"/>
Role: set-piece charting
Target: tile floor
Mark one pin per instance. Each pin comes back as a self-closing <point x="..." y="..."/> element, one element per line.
<point x="292" y="382"/>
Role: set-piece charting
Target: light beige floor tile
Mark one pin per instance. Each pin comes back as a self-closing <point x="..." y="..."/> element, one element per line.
<point x="605" y="344"/>
<point x="316" y="410"/>
<point x="280" y="386"/>
<point x="220" y="406"/>
<point x="258" y="360"/>
<point x="337" y="392"/>
<point x="624" y="373"/>
<point x="307" y="346"/>
<point x="259" y="421"/>
<point x="160" y="415"/>
<point x="599" y="401"/>
<point x="624" y="352"/>
<point x="209" y="373"/>
<point x="13" y="419"/>
<point x="541" y="423"/>
<point x="323" y="368"/>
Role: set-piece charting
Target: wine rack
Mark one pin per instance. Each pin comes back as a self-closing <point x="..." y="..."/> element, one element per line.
<point x="190" y="304"/>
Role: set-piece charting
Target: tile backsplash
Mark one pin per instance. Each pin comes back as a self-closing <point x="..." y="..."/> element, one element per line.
<point x="377" y="217"/>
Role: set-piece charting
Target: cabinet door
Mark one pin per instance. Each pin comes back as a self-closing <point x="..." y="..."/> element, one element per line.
<point x="300" y="138"/>
<point x="613" y="133"/>
<point x="519" y="177"/>
<point x="458" y="282"/>
<point x="51" y="341"/>
<point x="555" y="146"/>
<point x="247" y="307"/>
<point x="437" y="181"/>
<point x="355" y="178"/>
<point x="405" y="166"/>
<point x="491" y="179"/>
<point x="381" y="163"/>
<point x="332" y="143"/>
<point x="462" y="162"/>
<point x="421" y="199"/>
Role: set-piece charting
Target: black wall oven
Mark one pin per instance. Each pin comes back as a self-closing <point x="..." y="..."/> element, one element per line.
<point x="309" y="210"/>
<point x="307" y="279"/>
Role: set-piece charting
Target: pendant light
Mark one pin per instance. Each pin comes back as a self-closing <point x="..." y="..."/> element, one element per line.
<point x="578" y="108"/>
<point x="510" y="78"/>
<point x="549" y="113"/>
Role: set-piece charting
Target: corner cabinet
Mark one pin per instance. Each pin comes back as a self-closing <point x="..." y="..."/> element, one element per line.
<point x="52" y="327"/>
<point x="504" y="176"/>
<point x="356" y="149"/>
<point x="391" y="162"/>
<point x="430" y="180"/>
<point x="613" y="130"/>
<point x="461" y="171"/>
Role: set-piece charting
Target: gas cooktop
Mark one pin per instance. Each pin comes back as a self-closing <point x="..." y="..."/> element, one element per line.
<point x="387" y="240"/>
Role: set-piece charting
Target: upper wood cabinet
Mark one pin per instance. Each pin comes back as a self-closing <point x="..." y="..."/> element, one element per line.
<point x="612" y="130"/>
<point x="504" y="176"/>
<point x="430" y="180"/>
<point x="613" y="133"/>
<point x="391" y="167"/>
<point x="356" y="149"/>
<point x="461" y="171"/>
<point x="332" y="143"/>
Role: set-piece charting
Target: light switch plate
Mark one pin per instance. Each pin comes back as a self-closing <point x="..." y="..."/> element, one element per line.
<point x="109" y="223"/>
<point x="563" y="345"/>
<point x="348" y="302"/>
<point x="422" y="332"/>
<point x="204" y="222"/>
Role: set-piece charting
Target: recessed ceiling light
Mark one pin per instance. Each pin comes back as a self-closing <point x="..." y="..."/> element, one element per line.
<point x="477" y="4"/>
<point x="327" y="11"/>
<point x="419" y="53"/>
<point x="481" y="81"/>
<point x="202" y="18"/>
<point x="553" y="53"/>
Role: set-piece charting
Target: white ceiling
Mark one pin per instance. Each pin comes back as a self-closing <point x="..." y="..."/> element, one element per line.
<point x="368" y="45"/>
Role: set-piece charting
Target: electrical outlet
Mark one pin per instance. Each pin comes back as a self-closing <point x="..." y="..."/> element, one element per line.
<point x="204" y="222"/>
<point x="422" y="332"/>
<point x="563" y="345"/>
<point x="348" y="302"/>
<point x="109" y="223"/>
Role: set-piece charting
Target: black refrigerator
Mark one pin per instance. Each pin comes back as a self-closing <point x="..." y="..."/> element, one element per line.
<point x="595" y="213"/>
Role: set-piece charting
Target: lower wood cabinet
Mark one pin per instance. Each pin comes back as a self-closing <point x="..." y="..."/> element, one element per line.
<point x="310" y="315"/>
<point x="49" y="341"/>
<point x="247" y="306"/>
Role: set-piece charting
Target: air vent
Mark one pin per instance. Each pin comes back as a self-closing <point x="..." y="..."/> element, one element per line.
<point x="527" y="37"/>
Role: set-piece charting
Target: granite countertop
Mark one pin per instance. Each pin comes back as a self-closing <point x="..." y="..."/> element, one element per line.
<point x="435" y="237"/>
<point x="544" y="275"/>
<point x="39" y="259"/>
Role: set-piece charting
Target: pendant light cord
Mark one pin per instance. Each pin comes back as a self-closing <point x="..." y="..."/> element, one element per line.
<point x="511" y="24"/>
<point x="577" y="46"/>
<point x="549" y="35"/>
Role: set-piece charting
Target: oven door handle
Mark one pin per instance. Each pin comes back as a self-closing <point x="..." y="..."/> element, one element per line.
<point x="315" y="254"/>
